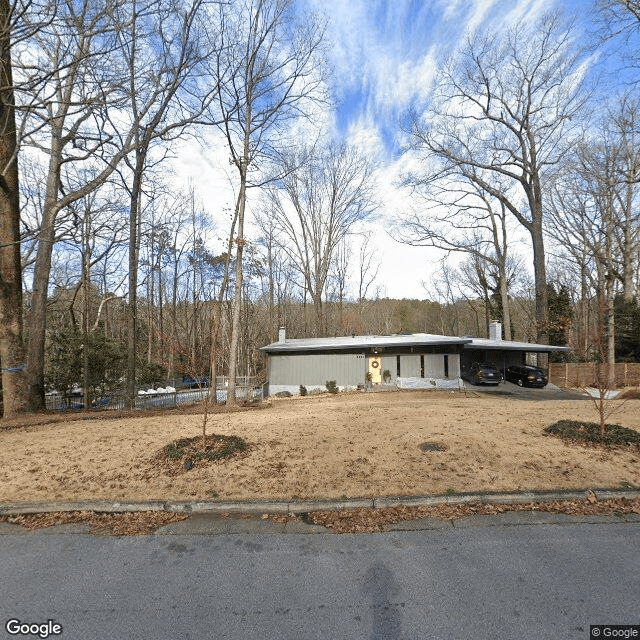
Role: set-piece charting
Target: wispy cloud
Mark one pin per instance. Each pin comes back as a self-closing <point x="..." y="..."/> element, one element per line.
<point x="385" y="54"/>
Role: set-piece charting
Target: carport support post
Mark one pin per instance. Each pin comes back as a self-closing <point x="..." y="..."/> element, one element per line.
<point x="543" y="360"/>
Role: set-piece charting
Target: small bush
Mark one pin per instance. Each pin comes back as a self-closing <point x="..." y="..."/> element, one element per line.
<point x="303" y="390"/>
<point x="331" y="386"/>
<point x="219" y="447"/>
<point x="579" y="431"/>
<point x="386" y="375"/>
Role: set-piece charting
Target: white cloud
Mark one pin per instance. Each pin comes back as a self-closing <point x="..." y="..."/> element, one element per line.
<point x="385" y="56"/>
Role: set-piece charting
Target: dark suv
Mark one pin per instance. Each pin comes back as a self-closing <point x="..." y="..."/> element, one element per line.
<point x="525" y="375"/>
<point x="482" y="373"/>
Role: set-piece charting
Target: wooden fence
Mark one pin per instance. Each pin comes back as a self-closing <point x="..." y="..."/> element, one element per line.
<point x="576" y="375"/>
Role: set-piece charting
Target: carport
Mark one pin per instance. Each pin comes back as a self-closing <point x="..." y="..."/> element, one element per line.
<point x="503" y="353"/>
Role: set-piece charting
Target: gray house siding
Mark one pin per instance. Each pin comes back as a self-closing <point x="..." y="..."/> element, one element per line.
<point x="409" y="366"/>
<point x="288" y="371"/>
<point x="347" y="369"/>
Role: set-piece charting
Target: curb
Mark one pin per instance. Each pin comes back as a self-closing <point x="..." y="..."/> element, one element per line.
<point x="305" y="506"/>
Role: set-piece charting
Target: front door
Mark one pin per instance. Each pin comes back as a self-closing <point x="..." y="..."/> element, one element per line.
<point x="375" y="369"/>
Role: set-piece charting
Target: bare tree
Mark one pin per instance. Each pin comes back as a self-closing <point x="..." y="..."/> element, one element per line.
<point x="620" y="25"/>
<point x="594" y="216"/>
<point x="368" y="269"/>
<point x="316" y="207"/>
<point x="105" y="77"/>
<point x="278" y="271"/>
<point x="460" y="216"/>
<point x="171" y="31"/>
<point x="504" y="116"/>
<point x="11" y="346"/>
<point x="66" y="95"/>
<point x="269" y="75"/>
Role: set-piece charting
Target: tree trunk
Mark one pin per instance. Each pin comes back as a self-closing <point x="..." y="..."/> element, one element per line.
<point x="86" y="281"/>
<point x="37" y="318"/>
<point x="504" y="299"/>
<point x="319" y="313"/>
<point x="12" y="357"/>
<point x="216" y="320"/>
<point x="540" y="277"/>
<point x="132" y="310"/>
<point x="237" y="298"/>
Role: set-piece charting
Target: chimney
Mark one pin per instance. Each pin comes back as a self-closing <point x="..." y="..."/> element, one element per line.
<point x="282" y="334"/>
<point x="495" y="330"/>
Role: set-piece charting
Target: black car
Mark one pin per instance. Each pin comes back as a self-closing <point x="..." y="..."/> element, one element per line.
<point x="482" y="373"/>
<point x="525" y="375"/>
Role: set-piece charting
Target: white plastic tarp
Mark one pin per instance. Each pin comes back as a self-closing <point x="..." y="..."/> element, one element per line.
<point x="428" y="383"/>
<point x="608" y="395"/>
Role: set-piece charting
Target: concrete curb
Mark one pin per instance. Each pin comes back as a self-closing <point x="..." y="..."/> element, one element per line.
<point x="305" y="506"/>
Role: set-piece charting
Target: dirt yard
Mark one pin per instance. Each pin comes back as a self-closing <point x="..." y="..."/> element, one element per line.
<point x="352" y="445"/>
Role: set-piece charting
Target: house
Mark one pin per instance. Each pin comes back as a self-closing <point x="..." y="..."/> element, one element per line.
<point x="418" y="360"/>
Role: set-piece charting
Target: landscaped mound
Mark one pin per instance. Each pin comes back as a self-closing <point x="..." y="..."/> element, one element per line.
<point x="216" y="447"/>
<point x="579" y="431"/>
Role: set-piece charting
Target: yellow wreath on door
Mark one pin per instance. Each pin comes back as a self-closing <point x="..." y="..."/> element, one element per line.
<point x="375" y="364"/>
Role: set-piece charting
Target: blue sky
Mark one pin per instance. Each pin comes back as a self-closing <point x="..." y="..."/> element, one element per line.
<point x="384" y="56"/>
<point x="385" y="53"/>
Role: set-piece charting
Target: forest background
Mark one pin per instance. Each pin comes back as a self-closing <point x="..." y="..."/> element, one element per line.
<point x="509" y="153"/>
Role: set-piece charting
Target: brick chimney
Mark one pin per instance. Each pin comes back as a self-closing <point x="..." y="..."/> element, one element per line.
<point x="282" y="335"/>
<point x="495" y="330"/>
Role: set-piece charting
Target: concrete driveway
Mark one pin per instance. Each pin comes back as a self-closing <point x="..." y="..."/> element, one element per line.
<point x="510" y="390"/>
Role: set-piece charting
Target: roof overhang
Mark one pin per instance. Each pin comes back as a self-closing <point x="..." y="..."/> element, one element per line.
<point x="365" y="343"/>
<point x="373" y="343"/>
<point x="508" y="345"/>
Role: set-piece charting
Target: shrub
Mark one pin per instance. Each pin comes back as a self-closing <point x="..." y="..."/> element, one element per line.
<point x="579" y="431"/>
<point x="331" y="386"/>
<point x="219" y="447"/>
<point x="386" y="375"/>
<point x="303" y="390"/>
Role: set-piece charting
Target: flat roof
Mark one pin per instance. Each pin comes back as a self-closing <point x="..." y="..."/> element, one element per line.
<point x="341" y="343"/>
<point x="363" y="342"/>
<point x="509" y="345"/>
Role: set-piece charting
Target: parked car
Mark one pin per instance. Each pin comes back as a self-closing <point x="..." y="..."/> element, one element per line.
<point x="195" y="383"/>
<point x="525" y="375"/>
<point x="482" y="373"/>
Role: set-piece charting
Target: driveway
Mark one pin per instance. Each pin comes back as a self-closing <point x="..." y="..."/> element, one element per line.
<point x="510" y="390"/>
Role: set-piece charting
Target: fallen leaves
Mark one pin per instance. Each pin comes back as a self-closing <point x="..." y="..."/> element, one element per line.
<point x="362" y="520"/>
<point x="365" y="520"/>
<point x="117" y="524"/>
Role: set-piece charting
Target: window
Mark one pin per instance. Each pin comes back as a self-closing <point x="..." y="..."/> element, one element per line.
<point x="422" y="366"/>
<point x="446" y="366"/>
<point x="398" y="366"/>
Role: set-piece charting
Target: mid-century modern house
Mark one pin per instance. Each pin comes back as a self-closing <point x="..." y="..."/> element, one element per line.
<point x="418" y="360"/>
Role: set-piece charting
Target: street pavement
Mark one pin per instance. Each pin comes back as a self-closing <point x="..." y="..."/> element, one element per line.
<point x="514" y="575"/>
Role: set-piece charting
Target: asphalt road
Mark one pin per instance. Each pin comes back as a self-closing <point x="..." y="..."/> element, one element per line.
<point x="481" y="578"/>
